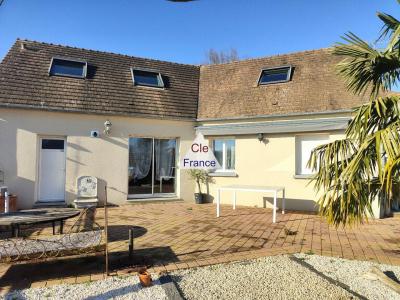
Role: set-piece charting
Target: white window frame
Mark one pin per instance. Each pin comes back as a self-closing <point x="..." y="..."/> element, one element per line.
<point x="325" y="138"/>
<point x="224" y="139"/>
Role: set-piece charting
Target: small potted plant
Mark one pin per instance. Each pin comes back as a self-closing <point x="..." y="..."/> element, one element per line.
<point x="200" y="177"/>
<point x="145" y="277"/>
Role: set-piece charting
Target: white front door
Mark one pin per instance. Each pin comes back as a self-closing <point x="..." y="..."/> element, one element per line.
<point x="52" y="169"/>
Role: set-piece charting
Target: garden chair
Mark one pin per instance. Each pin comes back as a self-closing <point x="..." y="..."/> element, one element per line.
<point x="87" y="192"/>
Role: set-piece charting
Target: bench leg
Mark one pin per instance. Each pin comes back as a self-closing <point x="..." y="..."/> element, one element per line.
<point x="274" y="209"/>
<point x="16" y="231"/>
<point x="61" y="226"/>
<point x="54" y="227"/>
<point x="218" y="204"/>
<point x="131" y="242"/>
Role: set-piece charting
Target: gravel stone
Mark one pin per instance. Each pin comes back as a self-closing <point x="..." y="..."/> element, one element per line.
<point x="350" y="272"/>
<point x="110" y="288"/>
<point x="275" y="277"/>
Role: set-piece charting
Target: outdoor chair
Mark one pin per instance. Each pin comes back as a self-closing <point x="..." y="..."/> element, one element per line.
<point x="85" y="236"/>
<point x="87" y="192"/>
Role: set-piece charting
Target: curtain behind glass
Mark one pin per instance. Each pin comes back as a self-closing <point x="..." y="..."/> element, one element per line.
<point x="230" y="154"/>
<point x="164" y="157"/>
<point x="218" y="151"/>
<point x="140" y="156"/>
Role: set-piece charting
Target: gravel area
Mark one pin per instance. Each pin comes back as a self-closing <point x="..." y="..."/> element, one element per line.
<point x="276" y="277"/>
<point x="111" y="288"/>
<point x="350" y="272"/>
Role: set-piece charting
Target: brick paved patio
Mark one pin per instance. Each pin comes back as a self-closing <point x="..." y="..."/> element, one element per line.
<point x="171" y="236"/>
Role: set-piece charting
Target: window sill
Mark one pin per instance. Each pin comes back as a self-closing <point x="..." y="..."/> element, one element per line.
<point x="223" y="174"/>
<point x="303" y="176"/>
<point x="140" y="86"/>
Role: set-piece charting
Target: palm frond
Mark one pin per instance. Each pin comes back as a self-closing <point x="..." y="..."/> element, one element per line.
<point x="391" y="29"/>
<point x="365" y="68"/>
<point x="364" y="165"/>
<point x="372" y="116"/>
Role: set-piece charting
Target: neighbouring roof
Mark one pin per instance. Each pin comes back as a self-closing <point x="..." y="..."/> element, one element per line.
<point x="224" y="91"/>
<point x="231" y="90"/>
<point x="108" y="88"/>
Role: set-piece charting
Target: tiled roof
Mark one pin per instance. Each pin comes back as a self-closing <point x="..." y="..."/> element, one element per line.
<point x="231" y="89"/>
<point x="207" y="92"/>
<point x="108" y="88"/>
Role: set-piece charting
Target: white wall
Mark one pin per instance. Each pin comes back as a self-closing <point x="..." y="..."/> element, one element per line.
<point x="105" y="157"/>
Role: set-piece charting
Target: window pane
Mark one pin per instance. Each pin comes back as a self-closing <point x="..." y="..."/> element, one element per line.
<point x="146" y="78"/>
<point x="68" y="68"/>
<point x="305" y="144"/>
<point x="53" y="144"/>
<point x="274" y="75"/>
<point x="218" y="149"/>
<point x="230" y="154"/>
<point x="227" y="157"/>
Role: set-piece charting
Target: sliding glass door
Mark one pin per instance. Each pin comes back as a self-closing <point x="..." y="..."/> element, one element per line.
<point x="151" y="171"/>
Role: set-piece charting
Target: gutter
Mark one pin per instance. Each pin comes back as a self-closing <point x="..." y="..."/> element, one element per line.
<point x="276" y="126"/>
<point x="327" y="112"/>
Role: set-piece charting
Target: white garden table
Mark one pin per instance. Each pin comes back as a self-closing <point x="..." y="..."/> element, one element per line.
<point x="251" y="188"/>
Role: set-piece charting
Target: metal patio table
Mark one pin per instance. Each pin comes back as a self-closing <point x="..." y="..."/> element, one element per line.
<point x="37" y="216"/>
<point x="251" y="188"/>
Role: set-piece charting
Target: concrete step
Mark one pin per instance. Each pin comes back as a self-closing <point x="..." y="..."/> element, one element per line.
<point x="55" y="204"/>
<point x="153" y="200"/>
<point x="396" y="214"/>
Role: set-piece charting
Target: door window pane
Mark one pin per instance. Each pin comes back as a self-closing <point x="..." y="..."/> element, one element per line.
<point x="151" y="166"/>
<point x="140" y="166"/>
<point x="53" y="144"/>
<point x="164" y="163"/>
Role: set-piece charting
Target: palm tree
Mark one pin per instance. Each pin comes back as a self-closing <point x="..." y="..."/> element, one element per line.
<point x="365" y="165"/>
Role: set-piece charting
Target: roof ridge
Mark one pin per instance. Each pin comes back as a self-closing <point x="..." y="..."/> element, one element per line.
<point x="268" y="56"/>
<point x="105" y="52"/>
<point x="182" y="64"/>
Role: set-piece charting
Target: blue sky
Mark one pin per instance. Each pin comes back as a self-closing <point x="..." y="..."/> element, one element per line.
<point x="183" y="32"/>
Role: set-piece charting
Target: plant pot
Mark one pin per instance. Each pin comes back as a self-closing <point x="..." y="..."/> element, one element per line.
<point x="12" y="203"/>
<point x="199" y="198"/>
<point x="145" y="278"/>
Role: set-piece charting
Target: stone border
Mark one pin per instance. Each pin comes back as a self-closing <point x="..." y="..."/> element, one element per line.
<point x="170" y="288"/>
<point x="327" y="278"/>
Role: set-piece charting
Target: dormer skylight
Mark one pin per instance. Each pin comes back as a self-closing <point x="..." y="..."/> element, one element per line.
<point x="68" y="67"/>
<point x="275" y="75"/>
<point x="144" y="77"/>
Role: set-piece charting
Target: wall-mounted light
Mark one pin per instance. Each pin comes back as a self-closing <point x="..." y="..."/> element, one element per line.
<point x="107" y="127"/>
<point x="260" y="137"/>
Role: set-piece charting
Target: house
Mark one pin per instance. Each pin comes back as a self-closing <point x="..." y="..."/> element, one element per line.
<point x="67" y="112"/>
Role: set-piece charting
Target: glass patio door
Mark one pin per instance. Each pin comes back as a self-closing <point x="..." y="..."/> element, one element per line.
<point x="151" y="171"/>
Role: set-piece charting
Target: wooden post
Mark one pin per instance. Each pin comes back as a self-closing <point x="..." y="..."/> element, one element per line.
<point x="106" y="228"/>
<point x="131" y="242"/>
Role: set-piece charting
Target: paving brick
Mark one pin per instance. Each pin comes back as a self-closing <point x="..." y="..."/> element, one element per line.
<point x="178" y="238"/>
